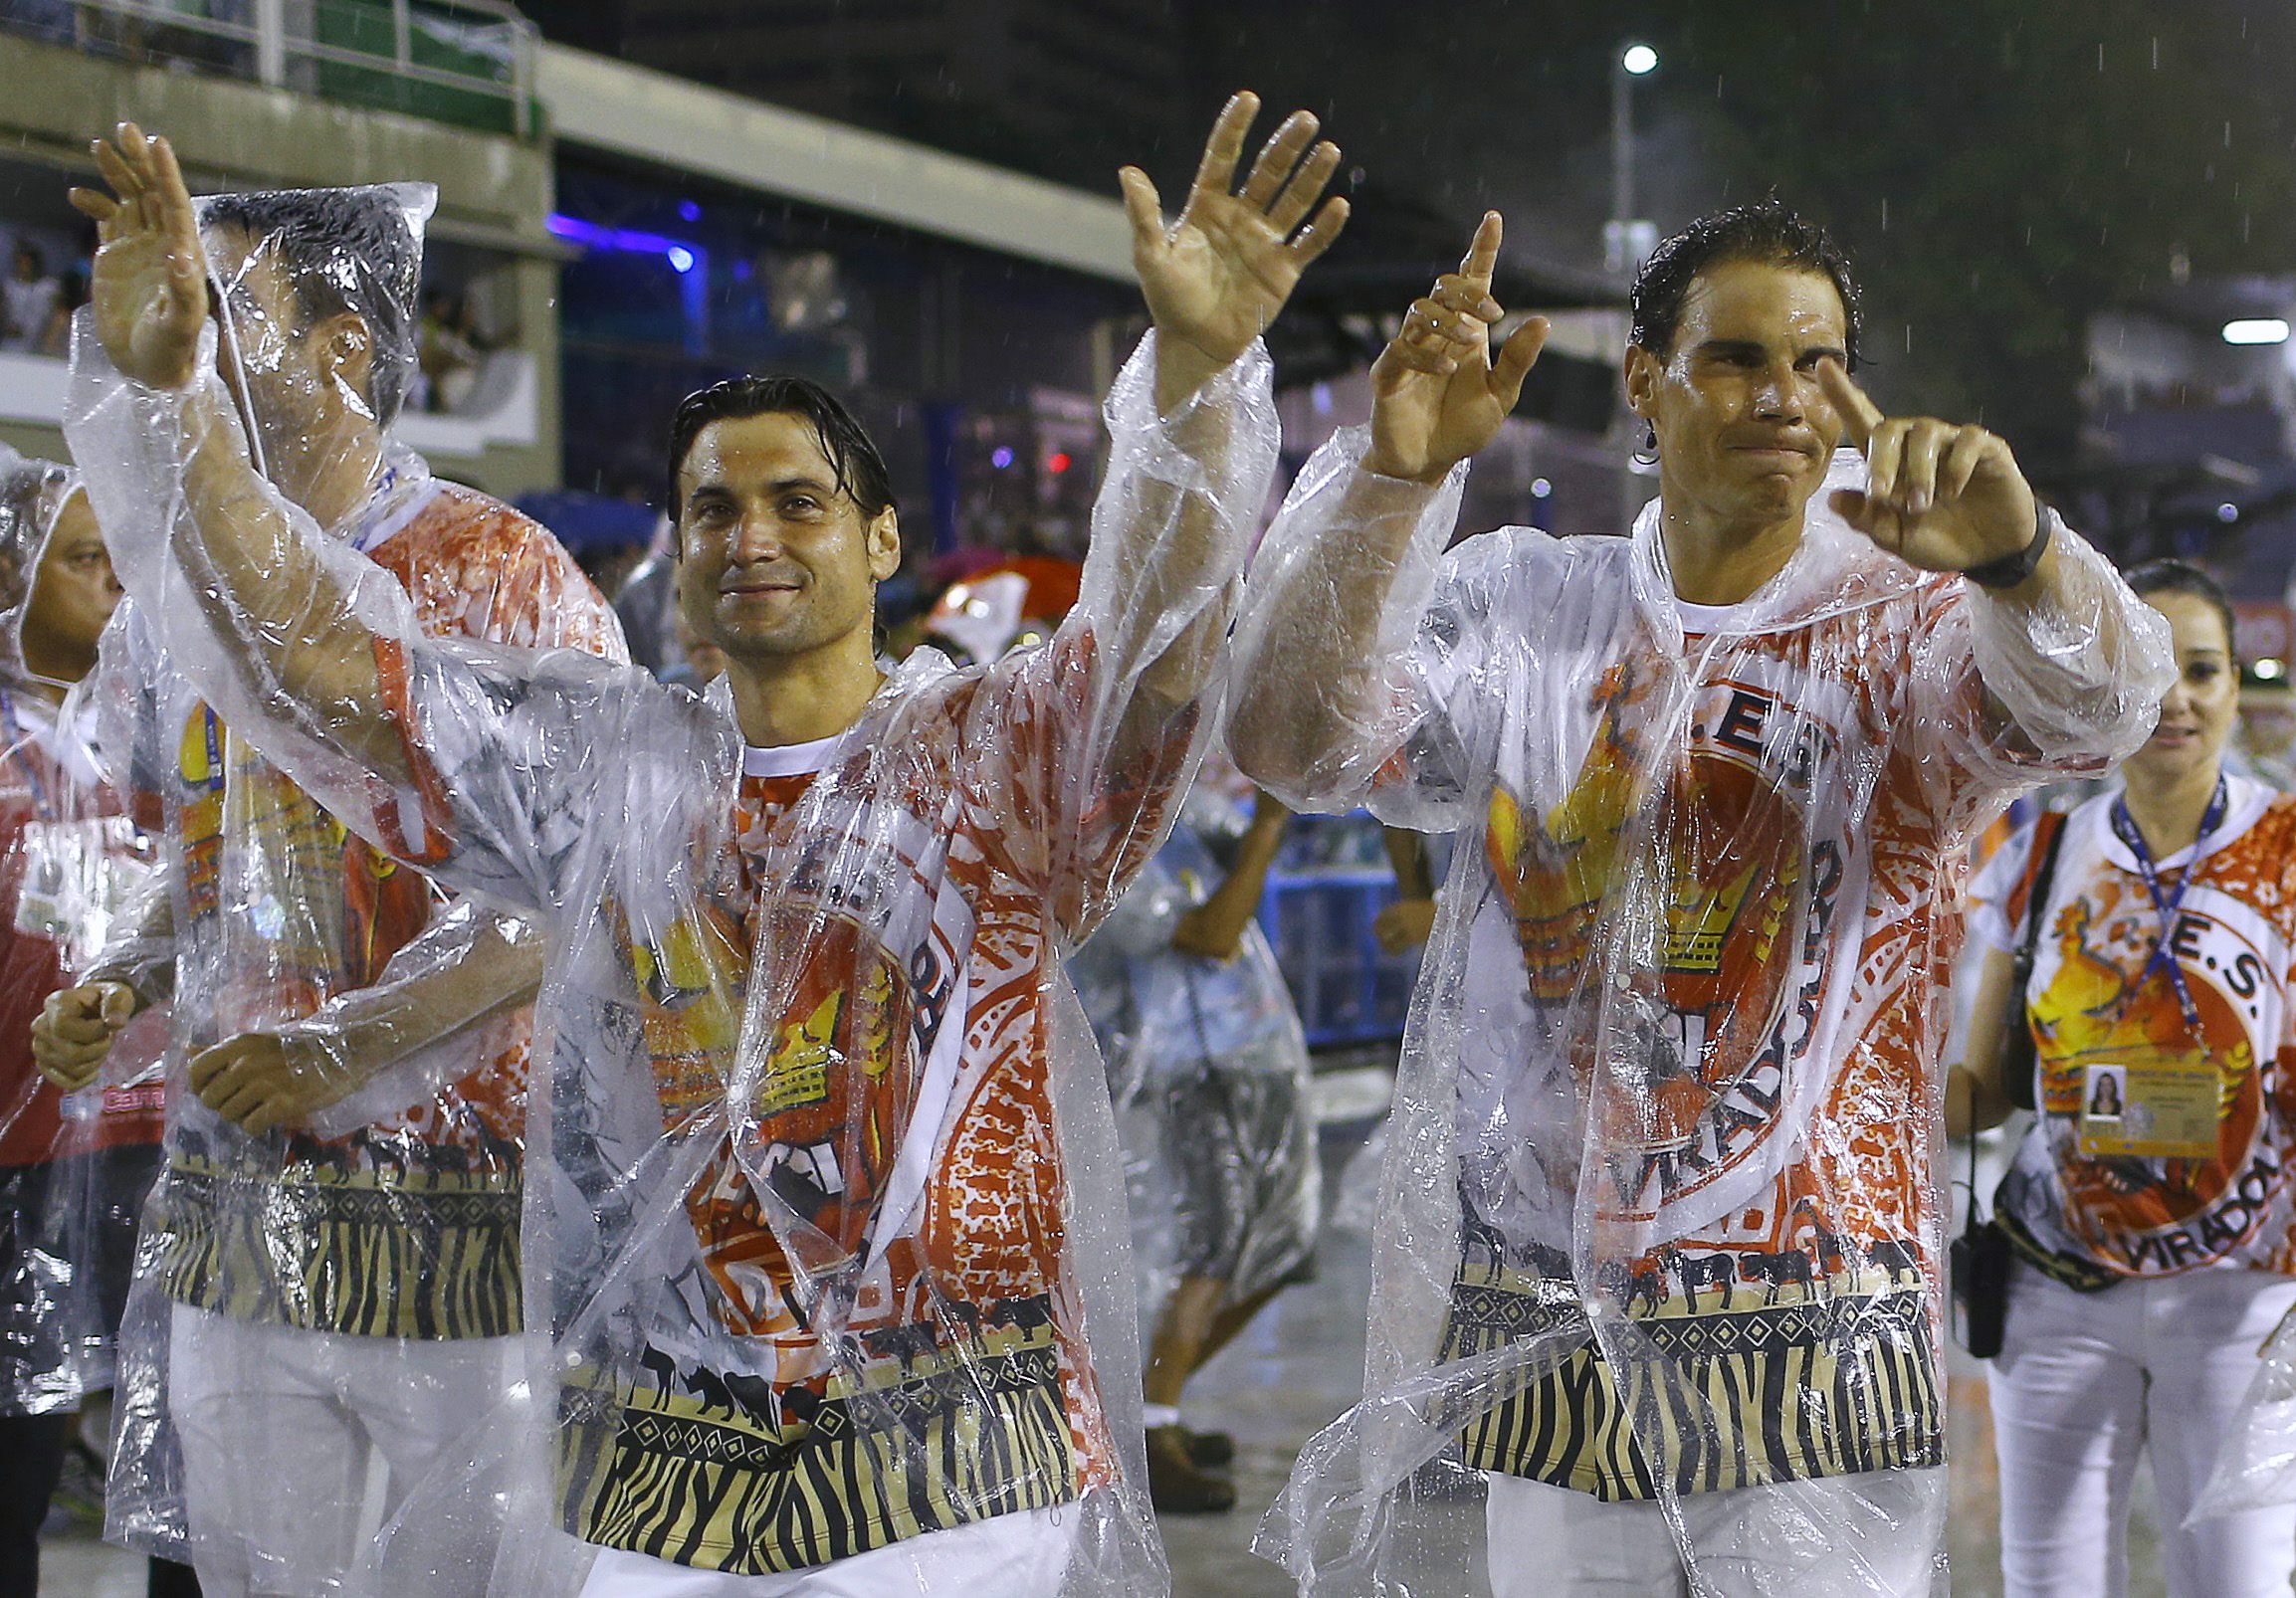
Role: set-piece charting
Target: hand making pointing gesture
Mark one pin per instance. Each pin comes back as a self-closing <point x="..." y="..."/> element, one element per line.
<point x="1939" y="496"/>
<point x="1437" y="394"/>
<point x="1216" y="276"/>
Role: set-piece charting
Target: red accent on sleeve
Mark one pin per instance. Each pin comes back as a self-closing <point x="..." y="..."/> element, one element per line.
<point x="392" y="679"/>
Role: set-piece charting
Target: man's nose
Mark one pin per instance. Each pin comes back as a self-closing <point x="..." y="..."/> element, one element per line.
<point x="1776" y="395"/>
<point x="757" y="538"/>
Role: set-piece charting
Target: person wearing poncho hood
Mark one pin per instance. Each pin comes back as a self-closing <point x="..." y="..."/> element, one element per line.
<point x="828" y="1287"/>
<point x="1660" y="1240"/>
<point x="72" y="1171"/>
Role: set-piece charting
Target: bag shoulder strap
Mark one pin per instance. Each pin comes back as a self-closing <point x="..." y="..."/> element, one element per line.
<point x="2040" y="876"/>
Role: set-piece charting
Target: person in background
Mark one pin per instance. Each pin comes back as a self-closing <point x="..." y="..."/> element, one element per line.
<point x="1209" y="1073"/>
<point x="73" y="1169"/>
<point x="28" y="299"/>
<point x="2149" y="1203"/>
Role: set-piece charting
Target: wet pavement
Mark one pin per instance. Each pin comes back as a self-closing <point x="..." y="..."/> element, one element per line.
<point x="1298" y="1367"/>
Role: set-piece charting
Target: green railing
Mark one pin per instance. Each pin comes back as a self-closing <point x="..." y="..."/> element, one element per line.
<point x="464" y="62"/>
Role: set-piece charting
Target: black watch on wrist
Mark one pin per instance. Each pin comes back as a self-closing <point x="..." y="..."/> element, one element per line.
<point x="2010" y="570"/>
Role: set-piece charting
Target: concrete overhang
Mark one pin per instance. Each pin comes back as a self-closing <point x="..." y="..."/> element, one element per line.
<point x="612" y="106"/>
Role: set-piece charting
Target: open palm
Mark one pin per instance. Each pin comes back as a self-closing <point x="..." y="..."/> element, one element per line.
<point x="1215" y="278"/>
<point x="149" y="288"/>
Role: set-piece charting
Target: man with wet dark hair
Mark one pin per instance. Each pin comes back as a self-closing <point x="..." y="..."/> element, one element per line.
<point x="1679" y="1040"/>
<point x="839" y="1301"/>
<point x="1770" y="232"/>
<point x="851" y="453"/>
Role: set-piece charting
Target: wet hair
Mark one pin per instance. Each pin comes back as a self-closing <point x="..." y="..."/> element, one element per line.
<point x="342" y="250"/>
<point x="2169" y="576"/>
<point x="851" y="453"/>
<point x="1770" y="233"/>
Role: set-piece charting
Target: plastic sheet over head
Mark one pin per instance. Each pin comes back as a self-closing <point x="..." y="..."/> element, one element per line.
<point x="344" y="264"/>
<point x="1659" y="1220"/>
<point x="349" y="1064"/>
<point x="825" y="1252"/>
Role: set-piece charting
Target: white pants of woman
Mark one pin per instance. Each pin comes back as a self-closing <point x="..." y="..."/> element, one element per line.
<point x="1023" y="1554"/>
<point x="1873" y="1536"/>
<point x="2087" y="1381"/>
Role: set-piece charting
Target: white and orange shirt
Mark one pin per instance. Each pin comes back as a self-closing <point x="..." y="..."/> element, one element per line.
<point x="864" y="1212"/>
<point x="2083" y="1198"/>
<point x="1687" y="984"/>
<point x="407" y="1227"/>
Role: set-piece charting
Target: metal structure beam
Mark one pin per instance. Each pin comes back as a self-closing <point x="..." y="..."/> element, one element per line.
<point x="612" y="106"/>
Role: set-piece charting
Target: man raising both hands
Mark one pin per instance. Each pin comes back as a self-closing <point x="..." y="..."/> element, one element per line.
<point x="1661" y="1243"/>
<point x="837" y="1292"/>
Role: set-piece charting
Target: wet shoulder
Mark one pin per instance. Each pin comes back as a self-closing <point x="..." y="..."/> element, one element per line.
<point x="461" y="527"/>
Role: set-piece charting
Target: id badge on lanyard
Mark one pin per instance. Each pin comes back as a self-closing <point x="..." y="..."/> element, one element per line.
<point x="2163" y="1104"/>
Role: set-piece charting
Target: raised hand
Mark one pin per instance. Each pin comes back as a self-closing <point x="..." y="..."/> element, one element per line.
<point x="150" y="290"/>
<point x="1437" y="396"/>
<point x="1216" y="276"/>
<point x="1939" y="496"/>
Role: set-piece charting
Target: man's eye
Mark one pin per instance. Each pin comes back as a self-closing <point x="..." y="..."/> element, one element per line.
<point x="801" y="504"/>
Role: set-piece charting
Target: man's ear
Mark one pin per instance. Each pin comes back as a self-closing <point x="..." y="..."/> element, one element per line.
<point x="348" y="350"/>
<point x="884" y="543"/>
<point x="1641" y="372"/>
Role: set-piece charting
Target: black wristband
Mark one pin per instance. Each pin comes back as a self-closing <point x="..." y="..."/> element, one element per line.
<point x="2010" y="570"/>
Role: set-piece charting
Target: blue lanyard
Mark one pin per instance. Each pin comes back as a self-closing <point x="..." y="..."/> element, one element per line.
<point x="2166" y="905"/>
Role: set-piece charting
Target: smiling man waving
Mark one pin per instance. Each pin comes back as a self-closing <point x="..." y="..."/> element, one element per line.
<point x="830" y="1291"/>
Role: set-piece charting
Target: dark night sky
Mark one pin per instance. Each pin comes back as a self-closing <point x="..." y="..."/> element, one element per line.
<point x="2001" y="169"/>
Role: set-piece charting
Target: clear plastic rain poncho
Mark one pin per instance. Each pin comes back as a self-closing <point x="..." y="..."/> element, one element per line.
<point x="70" y="858"/>
<point x="324" y="1304"/>
<point x="1208" y="1071"/>
<point x="2255" y="1464"/>
<point x="1659" y="1218"/>
<point x="825" y="1245"/>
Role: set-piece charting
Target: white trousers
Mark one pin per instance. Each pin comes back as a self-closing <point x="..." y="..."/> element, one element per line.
<point x="1874" y="1535"/>
<point x="2084" y="1383"/>
<point x="1019" y="1555"/>
<point x="281" y="1427"/>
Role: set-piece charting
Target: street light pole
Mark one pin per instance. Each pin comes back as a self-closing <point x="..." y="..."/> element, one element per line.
<point x="1625" y="239"/>
<point x="1622" y="245"/>
<point x="1615" y="249"/>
